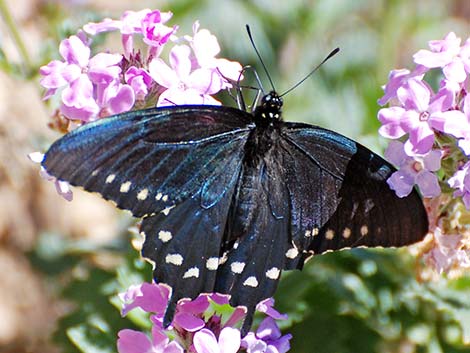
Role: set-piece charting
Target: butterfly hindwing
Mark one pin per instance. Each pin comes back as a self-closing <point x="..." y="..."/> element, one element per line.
<point x="147" y="161"/>
<point x="352" y="202"/>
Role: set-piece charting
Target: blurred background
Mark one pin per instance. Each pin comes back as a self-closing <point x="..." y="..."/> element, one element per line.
<point x="61" y="263"/>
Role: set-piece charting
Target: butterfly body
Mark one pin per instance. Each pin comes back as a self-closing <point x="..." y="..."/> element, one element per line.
<point x="230" y="199"/>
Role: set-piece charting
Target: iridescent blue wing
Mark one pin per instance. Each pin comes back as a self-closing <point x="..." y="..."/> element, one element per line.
<point x="150" y="160"/>
<point x="339" y="196"/>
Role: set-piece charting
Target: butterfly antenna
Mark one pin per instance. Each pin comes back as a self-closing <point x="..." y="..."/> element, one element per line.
<point x="333" y="53"/>
<point x="260" y="59"/>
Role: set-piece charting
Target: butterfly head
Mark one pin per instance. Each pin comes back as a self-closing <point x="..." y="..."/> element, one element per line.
<point x="270" y="107"/>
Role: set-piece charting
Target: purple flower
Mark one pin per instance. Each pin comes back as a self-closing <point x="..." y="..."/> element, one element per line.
<point x="206" y="47"/>
<point x="413" y="171"/>
<point x="184" y="86"/>
<point x="461" y="182"/>
<point x="447" y="252"/>
<point x="155" y="33"/>
<point x="130" y="341"/>
<point x="446" y="55"/>
<point x="267" y="306"/>
<point x="139" y="80"/>
<point x="268" y="338"/>
<point x="228" y="342"/>
<point x="420" y="114"/>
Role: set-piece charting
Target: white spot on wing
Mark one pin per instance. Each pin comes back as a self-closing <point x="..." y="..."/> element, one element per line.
<point x="164" y="236"/>
<point x="315" y="231"/>
<point x="175" y="259"/>
<point x="329" y="234"/>
<point x="237" y="267"/>
<point x="192" y="272"/>
<point x="125" y="187"/>
<point x="142" y="195"/>
<point x="251" y="282"/>
<point x="159" y="196"/>
<point x="212" y="263"/>
<point x="165" y="198"/>
<point x="167" y="210"/>
<point x="292" y="253"/>
<point x="273" y="273"/>
<point x="308" y="233"/>
<point x="95" y="172"/>
<point x="110" y="178"/>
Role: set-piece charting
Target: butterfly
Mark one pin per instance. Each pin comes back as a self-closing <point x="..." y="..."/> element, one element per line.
<point x="229" y="199"/>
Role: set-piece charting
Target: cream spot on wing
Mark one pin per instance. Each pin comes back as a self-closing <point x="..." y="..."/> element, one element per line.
<point x="224" y="258"/>
<point x="315" y="231"/>
<point x="308" y="233"/>
<point x="192" y="272"/>
<point x="164" y="236"/>
<point x="346" y="233"/>
<point x="165" y="198"/>
<point x="235" y="245"/>
<point x="95" y="172"/>
<point x="125" y="187"/>
<point x="159" y="196"/>
<point x="175" y="259"/>
<point x="364" y="230"/>
<point x="142" y="195"/>
<point x="273" y="273"/>
<point x="212" y="263"/>
<point x="292" y="253"/>
<point x="237" y="267"/>
<point x="167" y="210"/>
<point x="251" y="282"/>
<point x="329" y="234"/>
<point x="110" y="178"/>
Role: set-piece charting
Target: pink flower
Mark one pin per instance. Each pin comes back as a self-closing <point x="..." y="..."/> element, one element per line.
<point x="228" y="342"/>
<point x="413" y="171"/>
<point x="130" y="341"/>
<point x="445" y="54"/>
<point x="140" y="81"/>
<point x="461" y="183"/>
<point x="206" y="47"/>
<point x="268" y="338"/>
<point x="184" y="86"/>
<point x="155" y="33"/>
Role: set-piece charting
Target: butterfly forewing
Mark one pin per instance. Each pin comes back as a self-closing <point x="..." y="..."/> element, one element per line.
<point x="354" y="206"/>
<point x="148" y="161"/>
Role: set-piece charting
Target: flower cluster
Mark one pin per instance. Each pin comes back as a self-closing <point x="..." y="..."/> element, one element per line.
<point x="197" y="326"/>
<point x="92" y="87"/>
<point x="429" y="121"/>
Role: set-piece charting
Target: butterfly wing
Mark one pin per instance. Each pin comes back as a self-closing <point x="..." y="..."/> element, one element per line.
<point x="339" y="195"/>
<point x="150" y="160"/>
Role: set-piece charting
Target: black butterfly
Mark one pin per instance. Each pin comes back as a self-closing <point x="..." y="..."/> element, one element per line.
<point x="229" y="199"/>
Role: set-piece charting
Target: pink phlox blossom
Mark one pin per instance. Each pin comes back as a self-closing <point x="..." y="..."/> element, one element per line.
<point x="184" y="86"/>
<point x="229" y="341"/>
<point x="267" y="306"/>
<point x="445" y="54"/>
<point x="267" y="339"/>
<point x="140" y="81"/>
<point x="131" y="341"/>
<point x="155" y="33"/>
<point x="421" y="112"/>
<point x="460" y="181"/>
<point x="206" y="47"/>
<point x="448" y="253"/>
<point x="62" y="187"/>
<point x="418" y="170"/>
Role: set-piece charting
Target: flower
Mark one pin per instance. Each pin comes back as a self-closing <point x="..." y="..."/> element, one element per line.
<point x="460" y="181"/>
<point x="184" y="86"/>
<point x="228" y="342"/>
<point x="417" y="170"/>
<point x="268" y="338"/>
<point x="446" y="55"/>
<point x="130" y="341"/>
<point x="421" y="113"/>
<point x="140" y="81"/>
<point x="155" y="32"/>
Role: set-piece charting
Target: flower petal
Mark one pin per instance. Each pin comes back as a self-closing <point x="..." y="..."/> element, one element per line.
<point x="229" y="340"/>
<point x="428" y="184"/>
<point x="205" y="342"/>
<point x="130" y="341"/>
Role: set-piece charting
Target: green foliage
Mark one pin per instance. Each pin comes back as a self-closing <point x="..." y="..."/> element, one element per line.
<point x="369" y="301"/>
